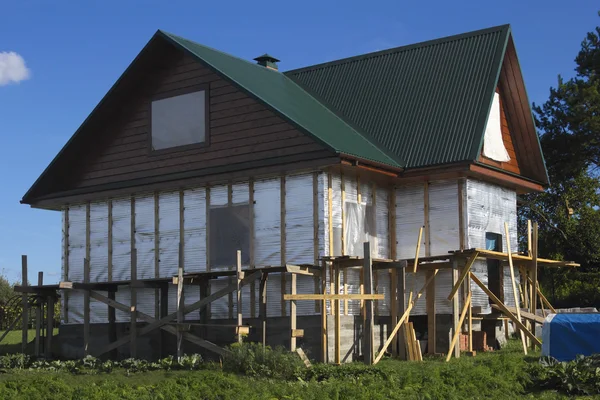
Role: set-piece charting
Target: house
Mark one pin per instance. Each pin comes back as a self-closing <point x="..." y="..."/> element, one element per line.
<point x="194" y="154"/>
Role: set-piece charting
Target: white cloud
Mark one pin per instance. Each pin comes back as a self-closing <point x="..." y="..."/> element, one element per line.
<point x="12" y="68"/>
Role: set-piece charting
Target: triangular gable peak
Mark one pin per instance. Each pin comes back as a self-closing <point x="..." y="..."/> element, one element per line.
<point x="510" y="142"/>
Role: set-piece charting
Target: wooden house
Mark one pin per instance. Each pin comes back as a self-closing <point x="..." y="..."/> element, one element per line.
<point x="194" y="154"/>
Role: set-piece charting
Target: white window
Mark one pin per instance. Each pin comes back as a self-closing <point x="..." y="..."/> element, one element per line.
<point x="493" y="144"/>
<point x="179" y="120"/>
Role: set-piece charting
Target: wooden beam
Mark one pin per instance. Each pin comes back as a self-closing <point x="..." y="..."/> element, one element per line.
<point x="368" y="330"/>
<point x="208" y="266"/>
<point x="133" y="311"/>
<point x="24" y="305"/>
<point x="252" y="245"/>
<point x="324" y="338"/>
<point x="112" y="326"/>
<point x="240" y="337"/>
<point x="86" y="309"/>
<point x="430" y="307"/>
<point x="65" y="255"/>
<point x="524" y="314"/>
<point x="110" y="240"/>
<point x="456" y="333"/>
<point x="263" y="307"/>
<point x="337" y="297"/>
<point x="534" y="272"/>
<point x="38" y="318"/>
<point x="461" y="214"/>
<point x="315" y="223"/>
<point x="504" y="309"/>
<point x="344" y="250"/>
<point x="283" y="243"/>
<point x="455" y="309"/>
<point x="394" y="294"/>
<point x="337" y="313"/>
<point x="180" y="303"/>
<point x="465" y="271"/>
<point x="49" y="326"/>
<point x="293" y="314"/>
<point x="303" y="270"/>
<point x="513" y="283"/>
<point x="400" y="290"/>
<point x="230" y="279"/>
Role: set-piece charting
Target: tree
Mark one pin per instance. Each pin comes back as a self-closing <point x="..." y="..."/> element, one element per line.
<point x="568" y="212"/>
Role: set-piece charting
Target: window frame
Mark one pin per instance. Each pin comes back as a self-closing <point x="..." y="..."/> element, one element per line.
<point x="180" y="92"/>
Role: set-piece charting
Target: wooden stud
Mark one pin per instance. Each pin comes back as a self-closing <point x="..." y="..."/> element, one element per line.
<point x="529" y="246"/>
<point x="368" y="330"/>
<point x="344" y="250"/>
<point x="470" y="316"/>
<point x="293" y="315"/>
<point x="431" y="312"/>
<point x="157" y="243"/>
<point x="534" y="272"/>
<point x="65" y="295"/>
<point x="38" y="318"/>
<point x="375" y="280"/>
<point x="401" y="290"/>
<point x="461" y="214"/>
<point x="315" y="201"/>
<point x="303" y="357"/>
<point x="180" y="304"/>
<point x="204" y="317"/>
<point x="49" y="326"/>
<point x="341" y="296"/>
<point x="252" y="244"/>
<point x="283" y="242"/>
<point x="456" y="333"/>
<point x="208" y="266"/>
<point x="408" y="342"/>
<point x="330" y="234"/>
<point x="506" y="333"/>
<point x="394" y="293"/>
<point x="263" y="307"/>
<point x="337" y="314"/>
<point x="112" y="326"/>
<point x="463" y="274"/>
<point x="133" y="290"/>
<point x="416" y="263"/>
<point x="455" y="310"/>
<point x="230" y="279"/>
<point x="504" y="309"/>
<point x="110" y="240"/>
<point x="324" y="313"/>
<point x="513" y="282"/>
<point x="239" y="293"/>
<point x="86" y="309"/>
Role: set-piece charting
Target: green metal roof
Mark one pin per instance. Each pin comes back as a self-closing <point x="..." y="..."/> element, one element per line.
<point x="426" y="103"/>
<point x="289" y="99"/>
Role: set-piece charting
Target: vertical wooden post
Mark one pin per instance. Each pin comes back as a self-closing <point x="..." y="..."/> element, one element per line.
<point x="344" y="248"/>
<point x="401" y="287"/>
<point x="430" y="306"/>
<point x="315" y="201"/>
<point x="293" y="316"/>
<point x="230" y="267"/>
<point x="208" y="244"/>
<point x="394" y="290"/>
<point x="461" y="214"/>
<point x="112" y="326"/>
<point x="239" y="294"/>
<point x="133" y="316"/>
<point x="324" y="313"/>
<point x="470" y="315"/>
<point x="86" y="308"/>
<point x="514" y="285"/>
<point x="336" y="272"/>
<point x="394" y="307"/>
<point x="534" y="274"/>
<point x="65" y="255"/>
<point x="180" y="305"/>
<point x="252" y="245"/>
<point x="38" y="317"/>
<point x="204" y="316"/>
<point x="157" y="248"/>
<point x="282" y="242"/>
<point x="49" y="326"/>
<point x="368" y="331"/>
<point x="455" y="310"/>
<point x="263" y="307"/>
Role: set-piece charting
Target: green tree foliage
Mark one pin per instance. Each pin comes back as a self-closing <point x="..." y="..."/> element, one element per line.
<point x="568" y="212"/>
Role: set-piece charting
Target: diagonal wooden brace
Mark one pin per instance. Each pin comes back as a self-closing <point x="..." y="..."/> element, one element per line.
<point x="463" y="275"/>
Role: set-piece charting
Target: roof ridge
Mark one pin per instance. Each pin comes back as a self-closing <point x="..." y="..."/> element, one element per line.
<point x="398" y="49"/>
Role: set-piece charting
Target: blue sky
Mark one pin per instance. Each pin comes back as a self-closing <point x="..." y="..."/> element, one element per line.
<point x="75" y="50"/>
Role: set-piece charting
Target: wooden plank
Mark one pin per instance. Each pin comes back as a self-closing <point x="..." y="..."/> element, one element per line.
<point x="283" y="242"/>
<point x="394" y="291"/>
<point x="410" y="350"/>
<point x="430" y="307"/>
<point x="230" y="279"/>
<point x="180" y="304"/>
<point x="133" y="311"/>
<point x="455" y="309"/>
<point x="337" y="328"/>
<point x="534" y="272"/>
<point x="240" y="337"/>
<point x="24" y="305"/>
<point x="368" y="330"/>
<point x="38" y="319"/>
<point x="470" y="317"/>
<point x="293" y="314"/>
<point x="112" y="326"/>
<point x="404" y="316"/>
<point x="252" y="245"/>
<point x="461" y="214"/>
<point x="303" y="357"/>
<point x="464" y="272"/>
<point x="86" y="309"/>
<point x="315" y="222"/>
<point x="513" y="283"/>
<point x="49" y="326"/>
<point x="456" y="333"/>
<point x="263" y="307"/>
<point x="337" y="297"/>
<point x="524" y="314"/>
<point x="343" y="211"/>
<point x="416" y="263"/>
<point x="324" y="313"/>
<point x="401" y="289"/>
<point x="504" y="309"/>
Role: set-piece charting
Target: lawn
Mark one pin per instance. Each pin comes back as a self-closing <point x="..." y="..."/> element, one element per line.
<point x="12" y="342"/>
<point x="495" y="375"/>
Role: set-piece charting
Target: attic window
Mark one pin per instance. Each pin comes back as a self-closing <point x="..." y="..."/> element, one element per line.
<point x="493" y="143"/>
<point x="179" y="120"/>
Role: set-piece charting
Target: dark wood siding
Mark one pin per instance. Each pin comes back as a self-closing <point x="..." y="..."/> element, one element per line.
<point x="242" y="130"/>
<point x="513" y="164"/>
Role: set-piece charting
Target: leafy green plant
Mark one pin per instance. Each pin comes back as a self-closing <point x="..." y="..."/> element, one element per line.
<point x="578" y="377"/>
<point x="252" y="359"/>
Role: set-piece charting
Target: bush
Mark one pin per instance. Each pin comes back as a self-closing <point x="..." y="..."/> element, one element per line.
<point x="252" y="360"/>
<point x="578" y="377"/>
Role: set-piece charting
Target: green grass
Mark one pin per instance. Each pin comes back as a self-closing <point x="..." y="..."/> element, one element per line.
<point x="12" y="342"/>
<point x="499" y="375"/>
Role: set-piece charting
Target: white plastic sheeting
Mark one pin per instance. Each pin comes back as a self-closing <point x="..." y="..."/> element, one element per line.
<point x="488" y="207"/>
<point x="144" y="236"/>
<point x="493" y="145"/>
<point x="121" y="239"/>
<point x="410" y="217"/>
<point x="168" y="233"/>
<point x="194" y="228"/>
<point x="381" y="247"/>
<point x="99" y="242"/>
<point x="299" y="233"/>
<point x="443" y="217"/>
<point x="267" y="222"/>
